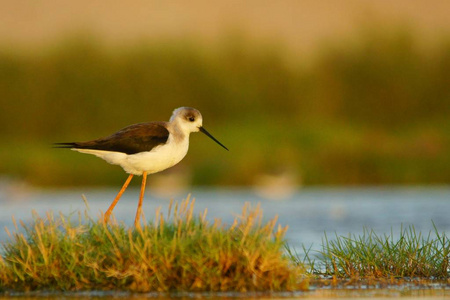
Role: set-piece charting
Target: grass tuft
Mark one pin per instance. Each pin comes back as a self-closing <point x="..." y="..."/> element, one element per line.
<point x="373" y="256"/>
<point x="177" y="252"/>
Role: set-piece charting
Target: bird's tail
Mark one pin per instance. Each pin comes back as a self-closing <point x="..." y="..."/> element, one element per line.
<point x="64" y="145"/>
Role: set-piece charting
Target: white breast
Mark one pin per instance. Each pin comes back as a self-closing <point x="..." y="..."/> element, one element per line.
<point x="156" y="160"/>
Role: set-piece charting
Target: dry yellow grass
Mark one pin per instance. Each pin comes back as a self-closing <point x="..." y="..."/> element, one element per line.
<point x="178" y="253"/>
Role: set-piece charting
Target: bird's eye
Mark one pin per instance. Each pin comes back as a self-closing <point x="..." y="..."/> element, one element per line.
<point x="192" y="119"/>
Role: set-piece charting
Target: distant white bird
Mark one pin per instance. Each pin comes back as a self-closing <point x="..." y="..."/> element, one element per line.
<point x="145" y="148"/>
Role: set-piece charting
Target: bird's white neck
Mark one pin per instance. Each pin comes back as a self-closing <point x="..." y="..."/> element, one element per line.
<point x="178" y="134"/>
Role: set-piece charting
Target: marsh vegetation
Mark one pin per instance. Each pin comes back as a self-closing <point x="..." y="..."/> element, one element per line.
<point x="381" y="103"/>
<point x="176" y="252"/>
<point x="183" y="252"/>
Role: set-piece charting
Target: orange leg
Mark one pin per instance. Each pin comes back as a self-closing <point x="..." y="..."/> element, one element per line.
<point x="137" y="222"/>
<point x="111" y="207"/>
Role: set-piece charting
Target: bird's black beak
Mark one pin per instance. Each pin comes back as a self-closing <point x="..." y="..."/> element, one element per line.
<point x="213" y="138"/>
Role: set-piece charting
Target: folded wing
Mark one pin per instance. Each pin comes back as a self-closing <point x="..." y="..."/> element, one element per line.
<point x="130" y="140"/>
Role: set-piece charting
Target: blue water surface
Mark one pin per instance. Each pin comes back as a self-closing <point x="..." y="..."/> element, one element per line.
<point x="309" y="212"/>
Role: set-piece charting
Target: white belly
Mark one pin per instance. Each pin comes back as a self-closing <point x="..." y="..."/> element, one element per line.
<point x="156" y="160"/>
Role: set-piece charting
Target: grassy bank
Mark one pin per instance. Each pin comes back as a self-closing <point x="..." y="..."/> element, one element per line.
<point x="175" y="253"/>
<point x="372" y="112"/>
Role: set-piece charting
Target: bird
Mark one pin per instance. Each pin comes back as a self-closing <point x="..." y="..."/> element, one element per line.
<point x="145" y="148"/>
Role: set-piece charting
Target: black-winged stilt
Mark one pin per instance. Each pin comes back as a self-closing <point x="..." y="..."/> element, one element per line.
<point x="145" y="148"/>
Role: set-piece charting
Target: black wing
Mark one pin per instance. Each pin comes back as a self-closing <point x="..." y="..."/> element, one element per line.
<point x="130" y="140"/>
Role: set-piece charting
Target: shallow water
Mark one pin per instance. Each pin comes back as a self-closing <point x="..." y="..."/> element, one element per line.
<point x="308" y="212"/>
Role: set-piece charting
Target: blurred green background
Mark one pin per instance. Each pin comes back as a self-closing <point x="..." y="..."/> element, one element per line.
<point x="370" y="109"/>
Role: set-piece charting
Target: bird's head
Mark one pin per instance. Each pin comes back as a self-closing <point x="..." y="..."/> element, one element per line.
<point x="190" y="120"/>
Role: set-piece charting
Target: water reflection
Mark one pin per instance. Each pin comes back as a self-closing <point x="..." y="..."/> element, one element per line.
<point x="359" y="293"/>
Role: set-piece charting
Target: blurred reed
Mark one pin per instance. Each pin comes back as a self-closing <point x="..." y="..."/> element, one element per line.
<point x="372" y="112"/>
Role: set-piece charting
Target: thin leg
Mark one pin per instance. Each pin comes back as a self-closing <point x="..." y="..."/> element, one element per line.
<point x="137" y="223"/>
<point x="113" y="204"/>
